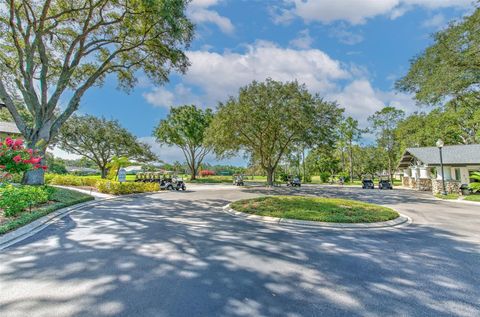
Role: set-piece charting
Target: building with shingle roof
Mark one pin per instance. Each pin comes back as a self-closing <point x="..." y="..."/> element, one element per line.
<point x="421" y="166"/>
<point x="8" y="129"/>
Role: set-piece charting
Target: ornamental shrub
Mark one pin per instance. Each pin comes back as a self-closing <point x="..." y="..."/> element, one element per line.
<point x="16" y="199"/>
<point x="324" y="177"/>
<point x="117" y="188"/>
<point x="15" y="159"/>
<point x="475" y="186"/>
<point x="71" y="180"/>
<point x="204" y="173"/>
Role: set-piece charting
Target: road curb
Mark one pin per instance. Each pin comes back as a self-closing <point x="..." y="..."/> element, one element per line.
<point x="401" y="221"/>
<point x="38" y="225"/>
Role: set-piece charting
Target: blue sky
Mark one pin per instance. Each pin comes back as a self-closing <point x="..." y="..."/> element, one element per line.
<point x="351" y="51"/>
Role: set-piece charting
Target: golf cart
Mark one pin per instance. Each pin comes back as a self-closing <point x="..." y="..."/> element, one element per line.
<point x="238" y="180"/>
<point x="294" y="181"/>
<point x="178" y="183"/>
<point x="384" y="184"/>
<point x="367" y="184"/>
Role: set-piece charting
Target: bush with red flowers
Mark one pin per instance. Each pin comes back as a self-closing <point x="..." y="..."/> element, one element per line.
<point x="207" y="173"/>
<point x="16" y="159"/>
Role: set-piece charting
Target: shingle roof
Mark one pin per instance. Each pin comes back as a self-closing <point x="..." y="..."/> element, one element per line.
<point x="452" y="154"/>
<point x="8" y="127"/>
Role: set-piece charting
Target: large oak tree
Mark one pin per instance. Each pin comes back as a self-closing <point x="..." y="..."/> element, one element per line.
<point x="55" y="50"/>
<point x="101" y="141"/>
<point x="450" y="67"/>
<point x="185" y="127"/>
<point x="268" y="120"/>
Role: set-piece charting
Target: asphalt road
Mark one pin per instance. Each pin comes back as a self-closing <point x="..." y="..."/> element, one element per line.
<point x="177" y="254"/>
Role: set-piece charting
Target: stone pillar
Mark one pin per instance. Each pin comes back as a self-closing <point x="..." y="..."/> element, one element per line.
<point x="424" y="172"/>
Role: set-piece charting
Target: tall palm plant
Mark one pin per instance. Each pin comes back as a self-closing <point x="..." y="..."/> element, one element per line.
<point x="475" y="187"/>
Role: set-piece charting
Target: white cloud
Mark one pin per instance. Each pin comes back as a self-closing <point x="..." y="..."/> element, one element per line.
<point x="162" y="97"/>
<point x="214" y="77"/>
<point x="221" y="75"/>
<point x="361" y="100"/>
<point x="435" y="22"/>
<point x="303" y="41"/>
<point x="345" y="36"/>
<point x="357" y="12"/>
<point x="199" y="11"/>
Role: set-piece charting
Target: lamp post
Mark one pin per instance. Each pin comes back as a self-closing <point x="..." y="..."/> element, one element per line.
<point x="440" y="145"/>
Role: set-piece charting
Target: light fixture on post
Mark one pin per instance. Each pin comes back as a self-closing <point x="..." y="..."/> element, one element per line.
<point x="440" y="145"/>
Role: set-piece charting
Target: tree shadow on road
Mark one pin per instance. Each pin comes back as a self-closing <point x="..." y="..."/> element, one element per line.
<point x="152" y="256"/>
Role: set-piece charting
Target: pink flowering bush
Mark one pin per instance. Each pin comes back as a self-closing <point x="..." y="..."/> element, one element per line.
<point x="16" y="159"/>
<point x="205" y="173"/>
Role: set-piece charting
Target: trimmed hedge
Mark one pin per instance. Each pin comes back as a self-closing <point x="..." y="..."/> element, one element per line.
<point x="71" y="180"/>
<point x="117" y="188"/>
<point x="103" y="185"/>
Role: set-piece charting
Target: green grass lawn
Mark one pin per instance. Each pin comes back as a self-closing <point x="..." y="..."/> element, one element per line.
<point x="315" y="209"/>
<point x="448" y="196"/>
<point x="474" y="197"/>
<point x="60" y="198"/>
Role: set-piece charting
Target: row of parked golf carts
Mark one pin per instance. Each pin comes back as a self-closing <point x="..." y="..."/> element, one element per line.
<point x="382" y="184"/>
<point x="166" y="181"/>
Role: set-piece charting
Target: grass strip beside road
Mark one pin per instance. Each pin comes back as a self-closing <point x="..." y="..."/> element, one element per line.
<point x="61" y="198"/>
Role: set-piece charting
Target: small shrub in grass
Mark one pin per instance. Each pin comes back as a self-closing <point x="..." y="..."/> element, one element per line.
<point x="324" y="177"/>
<point x="16" y="199"/>
<point x="117" y="188"/>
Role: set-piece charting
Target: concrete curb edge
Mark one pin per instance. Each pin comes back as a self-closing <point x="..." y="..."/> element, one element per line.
<point x="403" y="220"/>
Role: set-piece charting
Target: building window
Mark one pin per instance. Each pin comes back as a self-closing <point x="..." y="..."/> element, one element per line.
<point x="458" y="175"/>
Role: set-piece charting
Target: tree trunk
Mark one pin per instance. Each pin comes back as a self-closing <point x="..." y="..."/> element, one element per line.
<point x="38" y="140"/>
<point x="103" y="169"/>
<point x="390" y="169"/>
<point x="270" y="176"/>
<point x="34" y="177"/>
<point x="351" y="163"/>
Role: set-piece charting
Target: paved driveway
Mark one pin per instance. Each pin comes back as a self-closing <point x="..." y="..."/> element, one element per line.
<point x="176" y="254"/>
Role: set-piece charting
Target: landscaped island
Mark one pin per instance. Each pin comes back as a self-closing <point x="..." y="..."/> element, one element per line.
<point x="315" y="209"/>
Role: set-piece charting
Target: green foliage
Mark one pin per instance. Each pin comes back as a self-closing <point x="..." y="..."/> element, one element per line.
<point x="448" y="196"/>
<point x="325" y="177"/>
<point x="349" y="133"/>
<point x="55" y="165"/>
<point x="459" y="123"/>
<point x="115" y="165"/>
<point x="16" y="199"/>
<point x="100" y="141"/>
<point x="71" y="180"/>
<point x="322" y="160"/>
<point x="473" y="198"/>
<point x="58" y="50"/>
<point x="475" y="186"/>
<point x="369" y="161"/>
<point x="345" y="175"/>
<point x="117" y="188"/>
<point x="266" y="120"/>
<point x="185" y="127"/>
<point x="449" y="67"/>
<point x="315" y="209"/>
<point x="59" y="197"/>
<point x="384" y="124"/>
